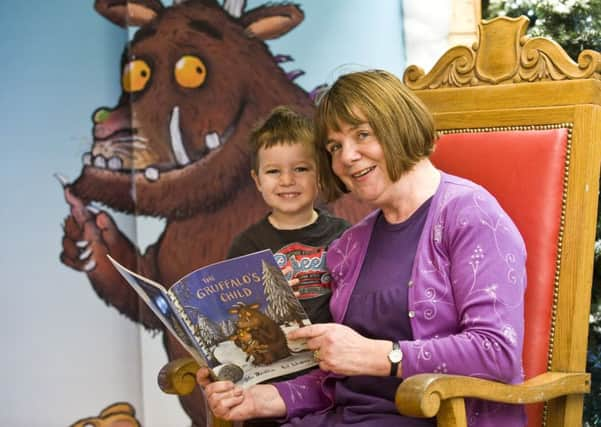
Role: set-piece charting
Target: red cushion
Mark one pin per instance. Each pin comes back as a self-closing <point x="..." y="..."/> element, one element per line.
<point x="524" y="170"/>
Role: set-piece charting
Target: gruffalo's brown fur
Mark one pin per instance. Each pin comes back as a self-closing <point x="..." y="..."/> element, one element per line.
<point x="245" y="341"/>
<point x="266" y="333"/>
<point x="195" y="79"/>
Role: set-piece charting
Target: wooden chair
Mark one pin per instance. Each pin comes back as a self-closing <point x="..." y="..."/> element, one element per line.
<point x="518" y="116"/>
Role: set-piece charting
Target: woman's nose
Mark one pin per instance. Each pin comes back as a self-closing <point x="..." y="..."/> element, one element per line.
<point x="349" y="153"/>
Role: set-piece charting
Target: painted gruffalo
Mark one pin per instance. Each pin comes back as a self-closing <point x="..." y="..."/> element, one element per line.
<point x="195" y="77"/>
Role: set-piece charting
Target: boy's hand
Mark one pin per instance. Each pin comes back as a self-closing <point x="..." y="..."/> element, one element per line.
<point x="293" y="283"/>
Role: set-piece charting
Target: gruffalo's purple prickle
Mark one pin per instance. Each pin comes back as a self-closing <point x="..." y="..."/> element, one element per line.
<point x="270" y="343"/>
<point x="196" y="77"/>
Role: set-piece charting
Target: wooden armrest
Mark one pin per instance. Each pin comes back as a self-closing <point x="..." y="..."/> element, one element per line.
<point x="422" y="395"/>
<point x="178" y="376"/>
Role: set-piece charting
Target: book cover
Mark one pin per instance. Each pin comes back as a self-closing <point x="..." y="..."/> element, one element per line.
<point x="232" y="316"/>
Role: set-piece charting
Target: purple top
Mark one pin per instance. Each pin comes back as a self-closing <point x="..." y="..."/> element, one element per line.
<point x="390" y="255"/>
<point x="465" y="300"/>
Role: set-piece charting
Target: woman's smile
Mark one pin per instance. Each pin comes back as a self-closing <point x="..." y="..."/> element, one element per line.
<point x="363" y="172"/>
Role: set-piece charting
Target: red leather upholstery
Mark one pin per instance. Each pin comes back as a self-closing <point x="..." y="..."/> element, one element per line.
<point x="525" y="171"/>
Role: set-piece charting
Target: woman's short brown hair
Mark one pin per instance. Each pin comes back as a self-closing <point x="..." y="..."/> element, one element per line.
<point x="401" y="122"/>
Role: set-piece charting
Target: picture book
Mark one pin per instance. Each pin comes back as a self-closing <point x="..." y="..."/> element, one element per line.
<point x="232" y="316"/>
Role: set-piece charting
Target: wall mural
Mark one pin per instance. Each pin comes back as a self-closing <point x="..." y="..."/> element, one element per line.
<point x="196" y="77"/>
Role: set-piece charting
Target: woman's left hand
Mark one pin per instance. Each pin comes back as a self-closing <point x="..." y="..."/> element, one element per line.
<point x="341" y="350"/>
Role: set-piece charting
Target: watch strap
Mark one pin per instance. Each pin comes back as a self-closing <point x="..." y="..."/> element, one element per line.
<point x="394" y="366"/>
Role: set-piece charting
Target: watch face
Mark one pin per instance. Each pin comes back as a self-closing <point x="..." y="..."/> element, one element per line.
<point x="395" y="356"/>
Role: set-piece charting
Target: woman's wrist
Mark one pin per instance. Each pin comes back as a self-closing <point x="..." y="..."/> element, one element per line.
<point x="379" y="363"/>
<point x="268" y="402"/>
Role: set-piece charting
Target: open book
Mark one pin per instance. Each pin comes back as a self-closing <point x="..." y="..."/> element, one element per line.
<point x="232" y="316"/>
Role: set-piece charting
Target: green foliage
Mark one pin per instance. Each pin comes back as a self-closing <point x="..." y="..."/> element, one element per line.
<point x="592" y="403"/>
<point x="575" y="25"/>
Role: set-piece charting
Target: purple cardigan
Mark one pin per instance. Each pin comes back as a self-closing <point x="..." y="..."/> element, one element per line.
<point x="466" y="297"/>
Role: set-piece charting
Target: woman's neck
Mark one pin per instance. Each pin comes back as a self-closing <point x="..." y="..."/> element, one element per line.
<point x="410" y="192"/>
<point x="292" y="222"/>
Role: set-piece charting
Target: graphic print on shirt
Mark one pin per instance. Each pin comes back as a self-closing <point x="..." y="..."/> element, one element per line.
<point x="308" y="264"/>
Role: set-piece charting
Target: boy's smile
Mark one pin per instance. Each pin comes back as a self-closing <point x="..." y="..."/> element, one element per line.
<point x="287" y="180"/>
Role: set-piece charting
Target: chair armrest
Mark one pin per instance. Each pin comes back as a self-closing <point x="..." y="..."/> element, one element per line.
<point x="422" y="395"/>
<point x="178" y="376"/>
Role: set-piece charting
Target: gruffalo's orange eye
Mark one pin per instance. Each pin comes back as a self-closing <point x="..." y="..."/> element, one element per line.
<point x="136" y="75"/>
<point x="190" y="71"/>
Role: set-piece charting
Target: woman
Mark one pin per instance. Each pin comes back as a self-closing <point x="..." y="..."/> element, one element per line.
<point x="432" y="281"/>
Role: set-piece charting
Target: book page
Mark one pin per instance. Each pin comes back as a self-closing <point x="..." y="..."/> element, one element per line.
<point x="157" y="298"/>
<point x="240" y="311"/>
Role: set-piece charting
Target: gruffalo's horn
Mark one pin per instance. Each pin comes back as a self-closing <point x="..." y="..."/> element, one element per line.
<point x="234" y="7"/>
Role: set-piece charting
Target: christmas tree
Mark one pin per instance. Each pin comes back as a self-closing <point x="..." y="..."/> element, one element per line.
<point x="574" y="24"/>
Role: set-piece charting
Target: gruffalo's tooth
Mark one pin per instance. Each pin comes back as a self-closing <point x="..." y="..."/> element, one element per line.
<point x="115" y="163"/>
<point x="100" y="162"/>
<point x="212" y="141"/>
<point x="151" y="174"/>
<point x="177" y="144"/>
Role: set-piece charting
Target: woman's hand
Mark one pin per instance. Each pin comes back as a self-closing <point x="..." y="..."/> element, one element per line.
<point x="233" y="403"/>
<point x="341" y="350"/>
<point x="229" y="402"/>
<point x="203" y="377"/>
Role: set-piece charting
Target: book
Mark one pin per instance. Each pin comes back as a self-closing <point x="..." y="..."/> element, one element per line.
<point x="232" y="316"/>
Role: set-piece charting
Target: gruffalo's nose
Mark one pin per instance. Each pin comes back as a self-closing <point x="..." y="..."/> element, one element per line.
<point x="109" y="121"/>
<point x="101" y="115"/>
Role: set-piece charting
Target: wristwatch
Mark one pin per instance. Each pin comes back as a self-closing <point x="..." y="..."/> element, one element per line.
<point x="395" y="356"/>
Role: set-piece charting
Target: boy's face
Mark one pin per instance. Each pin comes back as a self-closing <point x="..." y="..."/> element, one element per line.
<point x="287" y="178"/>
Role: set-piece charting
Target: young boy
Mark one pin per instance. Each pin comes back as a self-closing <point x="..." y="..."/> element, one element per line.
<point x="284" y="169"/>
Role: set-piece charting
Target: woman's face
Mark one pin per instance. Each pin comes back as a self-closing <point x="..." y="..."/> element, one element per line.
<point x="358" y="160"/>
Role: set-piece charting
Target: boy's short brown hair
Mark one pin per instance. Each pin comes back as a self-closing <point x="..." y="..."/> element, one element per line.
<point x="282" y="126"/>
<point x="401" y="122"/>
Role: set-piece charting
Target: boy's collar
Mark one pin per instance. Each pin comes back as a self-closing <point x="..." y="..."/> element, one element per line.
<point x="275" y="224"/>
